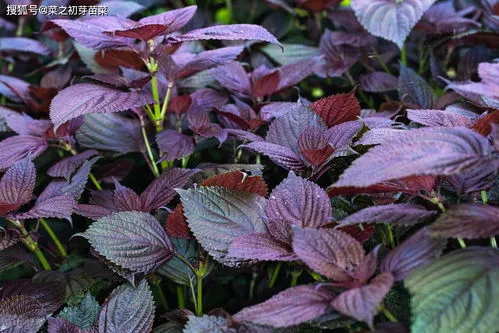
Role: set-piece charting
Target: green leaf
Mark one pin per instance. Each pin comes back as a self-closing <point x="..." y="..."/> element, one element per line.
<point x="177" y="270"/>
<point x="457" y="293"/>
<point x="133" y="240"/>
<point x="84" y="315"/>
<point x="216" y="216"/>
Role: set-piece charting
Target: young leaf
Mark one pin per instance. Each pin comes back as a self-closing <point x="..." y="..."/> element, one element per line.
<point x="417" y="250"/>
<point x="424" y="151"/>
<point x="176" y="224"/>
<point x="132" y="240"/>
<point x="92" y="98"/>
<point x="217" y="216"/>
<point x="337" y="109"/>
<point x="467" y="221"/>
<point x="128" y="310"/>
<point x="456" y="293"/>
<point x="392" y="20"/>
<point x="84" y="315"/>
<point x="290" y="307"/>
<point x="230" y="32"/>
<point x="237" y="180"/>
<point x="399" y="214"/>
<point x="362" y="303"/>
<point x="413" y="89"/>
<point x="331" y="253"/>
<point x="300" y="202"/>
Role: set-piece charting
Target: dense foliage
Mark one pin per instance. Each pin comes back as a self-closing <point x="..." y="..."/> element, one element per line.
<point x="250" y="166"/>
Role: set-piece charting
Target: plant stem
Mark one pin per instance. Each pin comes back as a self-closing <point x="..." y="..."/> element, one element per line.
<point x="315" y="276"/>
<point x="275" y="273"/>
<point x="162" y="299"/>
<point x="461" y="243"/>
<point x="180" y="296"/>
<point x="32" y="245"/>
<point x="185" y="261"/>
<point x="94" y="181"/>
<point x="403" y="55"/>
<point x="54" y="238"/>
<point x="485" y="200"/>
<point x="148" y="147"/>
<point x="493" y="242"/>
<point x="159" y="127"/>
<point x="294" y="277"/>
<point x="387" y="313"/>
<point x="381" y="62"/>
<point x="389" y="232"/>
<point x="199" y="294"/>
<point x="155" y="96"/>
<point x="228" y="4"/>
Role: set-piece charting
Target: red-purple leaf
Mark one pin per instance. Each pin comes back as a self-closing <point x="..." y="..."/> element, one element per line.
<point x="61" y="206"/>
<point x="438" y="118"/>
<point x="175" y="145"/>
<point x="128" y="310"/>
<point x="265" y="85"/>
<point x="21" y="44"/>
<point x="162" y="190"/>
<point x="424" y="151"/>
<point x="93" y="212"/>
<point x="362" y="303"/>
<point x="125" y="199"/>
<point x="176" y="224"/>
<point x="174" y="20"/>
<point x="17" y="185"/>
<point x="16" y="148"/>
<point x="467" y="221"/>
<point x="300" y="202"/>
<point x="132" y="240"/>
<point x="260" y="246"/>
<point x="314" y="146"/>
<point x="399" y="214"/>
<point x="290" y="307"/>
<point x="392" y="20"/>
<point x="66" y="167"/>
<point x="331" y="253"/>
<point x="237" y="180"/>
<point x="230" y="32"/>
<point x="337" y="109"/>
<point x="217" y="216"/>
<point x="85" y="98"/>
<point x="417" y="250"/>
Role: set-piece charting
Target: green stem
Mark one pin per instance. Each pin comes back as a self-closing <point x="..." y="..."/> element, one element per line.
<point x="155" y="96"/>
<point x="485" y="200"/>
<point x="185" y="261"/>
<point x="32" y="245"/>
<point x="162" y="299"/>
<point x="94" y="181"/>
<point x="228" y="4"/>
<point x="294" y="277"/>
<point x="493" y="242"/>
<point x="54" y="237"/>
<point x="403" y="55"/>
<point x="381" y="62"/>
<point x="168" y="95"/>
<point x="461" y="243"/>
<point x="199" y="296"/>
<point x="387" y="313"/>
<point x="315" y="276"/>
<point x="180" y="296"/>
<point x="275" y="273"/>
<point x="389" y="232"/>
<point x="148" y="148"/>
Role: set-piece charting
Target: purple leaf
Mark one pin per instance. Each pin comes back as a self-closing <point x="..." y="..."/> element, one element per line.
<point x="276" y="109"/>
<point x="122" y="8"/>
<point x="442" y="18"/>
<point x="486" y="89"/>
<point x="290" y="307"/>
<point x="331" y="253"/>
<point x="362" y="303"/>
<point x="93" y="212"/>
<point x="89" y="33"/>
<point x="378" y="82"/>
<point x="21" y="44"/>
<point x="391" y="20"/>
<point x="300" y="202"/>
<point x="467" y="221"/>
<point x="413" y="89"/>
<point x="125" y="199"/>
<point x="424" y="151"/>
<point x="110" y="132"/>
<point x="233" y="77"/>
<point x="280" y="155"/>
<point x="61" y="206"/>
<point x="292" y="74"/>
<point x="16" y="148"/>
<point x="59" y="325"/>
<point x="438" y="118"/>
<point x="476" y="180"/>
<point x="13" y="88"/>
<point x="417" y="250"/>
<point x="84" y="98"/>
<point x="230" y="32"/>
<point x="174" y="20"/>
<point x="217" y="216"/>
<point x="8" y="237"/>
<point x="260" y="246"/>
<point x="313" y="145"/>
<point x="399" y="214"/>
<point x="132" y="240"/>
<point x="162" y="190"/>
<point x="65" y="168"/>
<point x="128" y="310"/>
<point x="175" y="145"/>
<point x="25" y="125"/>
<point x="342" y="135"/>
<point x="116" y="169"/>
<point x="17" y="185"/>
<point x="209" y="59"/>
<point x="337" y="58"/>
